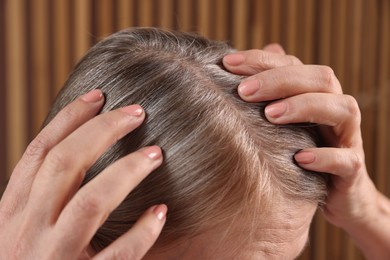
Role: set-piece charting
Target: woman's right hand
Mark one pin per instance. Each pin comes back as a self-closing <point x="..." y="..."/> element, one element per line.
<point x="44" y="214"/>
<point x="312" y="93"/>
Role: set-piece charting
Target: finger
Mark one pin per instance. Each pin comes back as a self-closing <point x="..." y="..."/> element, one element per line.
<point x="139" y="239"/>
<point x="275" y="48"/>
<point x="289" y="81"/>
<point x="340" y="112"/>
<point x="344" y="163"/>
<point x="255" y="61"/>
<point x="90" y="207"/>
<point x="322" y="108"/>
<point x="66" y="121"/>
<point x="65" y="165"/>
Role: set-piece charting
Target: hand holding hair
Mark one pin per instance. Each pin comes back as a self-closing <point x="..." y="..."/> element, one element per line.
<point x="44" y="214"/>
<point x="312" y="93"/>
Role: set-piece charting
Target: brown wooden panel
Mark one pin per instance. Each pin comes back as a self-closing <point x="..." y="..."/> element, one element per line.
<point x="82" y="28"/>
<point x="125" y="11"/>
<point x="166" y="14"/>
<point x="3" y="147"/>
<point x="383" y="139"/>
<point x="60" y="34"/>
<point x="39" y="67"/>
<point x="16" y="99"/>
<point x="42" y="40"/>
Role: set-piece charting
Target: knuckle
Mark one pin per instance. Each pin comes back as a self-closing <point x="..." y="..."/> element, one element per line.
<point x="110" y="123"/>
<point x="356" y="162"/>
<point x="68" y="113"/>
<point x="88" y="205"/>
<point x="328" y="76"/>
<point x="292" y="60"/>
<point x="37" y="148"/>
<point x="263" y="60"/>
<point x="58" y="161"/>
<point x="353" y="108"/>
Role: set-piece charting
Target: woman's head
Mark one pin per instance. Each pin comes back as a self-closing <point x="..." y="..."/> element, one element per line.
<point x="228" y="175"/>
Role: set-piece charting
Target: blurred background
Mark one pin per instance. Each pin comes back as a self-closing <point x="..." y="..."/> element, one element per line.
<point x="41" y="40"/>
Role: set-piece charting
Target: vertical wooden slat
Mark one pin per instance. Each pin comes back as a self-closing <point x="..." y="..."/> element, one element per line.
<point x="204" y="18"/>
<point x="16" y="123"/>
<point x="275" y="23"/>
<point x="383" y="140"/>
<point x="61" y="34"/>
<point x="82" y="28"/>
<point x="258" y="23"/>
<point x="353" y="52"/>
<point x="324" y="32"/>
<point x="221" y="18"/>
<point x="105" y="19"/>
<point x="125" y="11"/>
<point x="184" y="15"/>
<point x="40" y="64"/>
<point x="240" y="12"/>
<point x="339" y="15"/>
<point x="291" y="26"/>
<point x="16" y="99"/>
<point x="166" y="14"/>
<point x="145" y="13"/>
<point x="3" y="140"/>
<point x="307" y="41"/>
<point x="367" y="96"/>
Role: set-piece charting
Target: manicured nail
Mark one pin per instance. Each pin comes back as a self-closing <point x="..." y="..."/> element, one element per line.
<point x="133" y="110"/>
<point x="305" y="157"/>
<point x="153" y="152"/>
<point x="276" y="110"/>
<point x="248" y="88"/>
<point x="160" y="211"/>
<point x="93" y="96"/>
<point x="234" y="59"/>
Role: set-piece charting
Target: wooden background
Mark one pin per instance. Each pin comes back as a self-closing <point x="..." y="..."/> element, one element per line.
<point x="41" y="40"/>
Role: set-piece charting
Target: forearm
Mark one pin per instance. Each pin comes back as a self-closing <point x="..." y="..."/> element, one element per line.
<point x="373" y="236"/>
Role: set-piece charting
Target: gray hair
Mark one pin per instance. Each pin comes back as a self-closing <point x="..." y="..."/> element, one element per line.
<point x="221" y="154"/>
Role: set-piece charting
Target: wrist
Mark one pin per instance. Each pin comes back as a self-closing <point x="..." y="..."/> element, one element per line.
<point x="371" y="232"/>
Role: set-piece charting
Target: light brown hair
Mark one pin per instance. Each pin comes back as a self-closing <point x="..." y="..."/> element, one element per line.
<point x="222" y="158"/>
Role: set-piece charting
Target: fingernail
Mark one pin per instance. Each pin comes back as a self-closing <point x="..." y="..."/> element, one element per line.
<point x="92" y="96"/>
<point x="133" y="110"/>
<point x="248" y="88"/>
<point x="153" y="152"/>
<point x="305" y="157"/>
<point x="160" y="211"/>
<point x="276" y="110"/>
<point x="234" y="59"/>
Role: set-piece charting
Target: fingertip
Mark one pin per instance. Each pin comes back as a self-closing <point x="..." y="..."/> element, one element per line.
<point x="248" y="88"/>
<point x="275" y="111"/>
<point x="133" y="110"/>
<point x="305" y="157"/>
<point x="234" y="59"/>
<point x="160" y="212"/>
<point x="93" y="96"/>
<point x="153" y="152"/>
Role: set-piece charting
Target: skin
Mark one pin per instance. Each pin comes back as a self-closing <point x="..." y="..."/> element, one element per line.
<point x="45" y="215"/>
<point x="312" y="93"/>
<point x="282" y="234"/>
